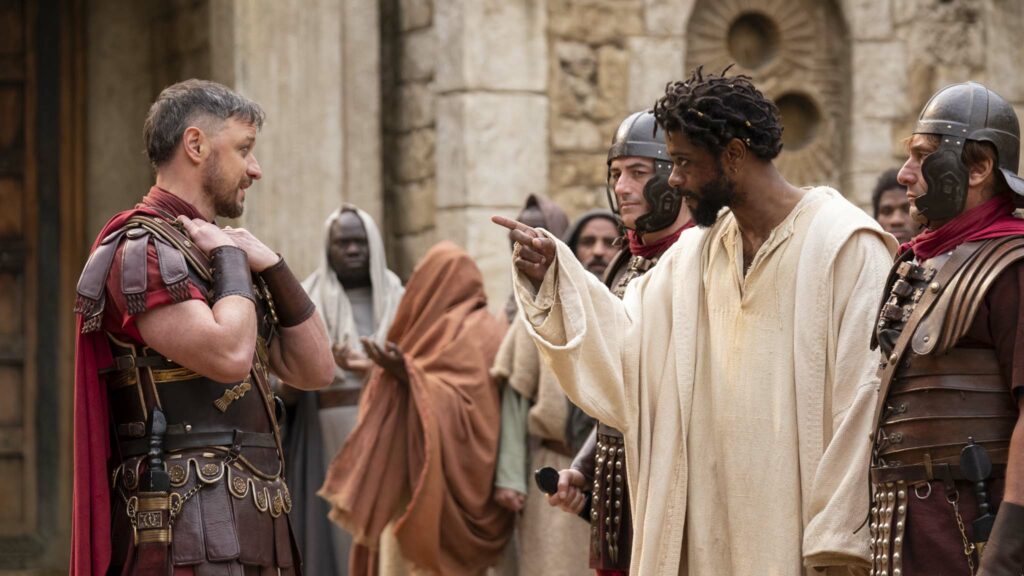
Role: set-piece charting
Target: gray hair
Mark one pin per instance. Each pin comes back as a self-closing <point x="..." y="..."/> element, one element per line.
<point x="186" y="103"/>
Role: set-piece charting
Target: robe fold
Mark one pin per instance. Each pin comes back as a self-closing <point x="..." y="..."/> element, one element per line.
<point x="635" y="364"/>
<point x="423" y="454"/>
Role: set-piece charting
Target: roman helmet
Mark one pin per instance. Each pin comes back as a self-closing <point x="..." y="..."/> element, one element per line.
<point x="956" y="114"/>
<point x="640" y="135"/>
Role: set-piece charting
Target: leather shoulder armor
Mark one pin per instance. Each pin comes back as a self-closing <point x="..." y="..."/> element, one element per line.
<point x="954" y="312"/>
<point x="175" y="256"/>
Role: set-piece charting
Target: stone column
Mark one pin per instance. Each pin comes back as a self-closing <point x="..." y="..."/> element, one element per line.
<point x="314" y="67"/>
<point x="492" y="136"/>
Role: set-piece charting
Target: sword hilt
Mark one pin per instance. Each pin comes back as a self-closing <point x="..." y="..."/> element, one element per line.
<point x="976" y="466"/>
<point x="155" y="478"/>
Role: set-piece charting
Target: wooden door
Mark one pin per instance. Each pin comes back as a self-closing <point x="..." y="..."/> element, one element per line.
<point x="41" y="252"/>
<point x="18" y="271"/>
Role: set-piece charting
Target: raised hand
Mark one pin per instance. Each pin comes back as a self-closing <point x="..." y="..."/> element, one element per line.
<point x="570" y="496"/>
<point x="534" y="252"/>
<point x="348" y="359"/>
<point x="388" y="357"/>
<point x="206" y="235"/>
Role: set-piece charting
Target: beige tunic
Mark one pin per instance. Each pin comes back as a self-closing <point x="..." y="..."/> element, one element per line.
<point x="774" y="420"/>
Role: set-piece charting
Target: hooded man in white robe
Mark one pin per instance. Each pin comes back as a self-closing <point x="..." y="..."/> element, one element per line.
<point x="356" y="295"/>
<point x="737" y="369"/>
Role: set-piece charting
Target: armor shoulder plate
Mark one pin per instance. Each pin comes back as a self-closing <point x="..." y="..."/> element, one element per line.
<point x="954" y="312"/>
<point x="133" y="242"/>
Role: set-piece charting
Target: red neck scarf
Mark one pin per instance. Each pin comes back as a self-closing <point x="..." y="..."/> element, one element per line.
<point x="656" y="248"/>
<point x="168" y="202"/>
<point x="992" y="219"/>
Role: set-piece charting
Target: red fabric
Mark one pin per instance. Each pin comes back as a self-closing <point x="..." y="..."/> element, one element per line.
<point x="638" y="248"/>
<point x="611" y="573"/>
<point x="992" y="219"/>
<point x="90" y="533"/>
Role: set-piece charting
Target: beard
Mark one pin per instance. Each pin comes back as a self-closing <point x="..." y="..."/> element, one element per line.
<point x="596" y="266"/>
<point x="711" y="198"/>
<point x="221" y="190"/>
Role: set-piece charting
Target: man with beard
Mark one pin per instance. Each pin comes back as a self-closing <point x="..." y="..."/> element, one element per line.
<point x="592" y="239"/>
<point x="178" y="457"/>
<point x="891" y="207"/>
<point x="356" y="295"/>
<point x="654" y="217"/>
<point x="736" y="369"/>
<point x="948" y="461"/>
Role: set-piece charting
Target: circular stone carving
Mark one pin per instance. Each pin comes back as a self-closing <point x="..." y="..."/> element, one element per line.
<point x="753" y="40"/>
<point x="800" y="120"/>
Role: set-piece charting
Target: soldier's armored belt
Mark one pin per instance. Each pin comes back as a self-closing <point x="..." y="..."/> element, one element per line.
<point x="935" y="403"/>
<point x="174" y="441"/>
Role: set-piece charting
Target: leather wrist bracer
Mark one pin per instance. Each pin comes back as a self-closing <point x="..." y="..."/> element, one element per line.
<point x="290" y="300"/>
<point x="231" y="276"/>
<point x="1004" y="553"/>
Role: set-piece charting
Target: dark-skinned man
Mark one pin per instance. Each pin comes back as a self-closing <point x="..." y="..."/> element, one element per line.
<point x="356" y="295"/>
<point x="736" y="369"/>
<point x="891" y="206"/>
<point x="178" y="460"/>
<point x="948" y="454"/>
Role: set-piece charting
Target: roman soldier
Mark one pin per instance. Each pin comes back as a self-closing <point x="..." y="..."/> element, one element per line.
<point x="178" y="462"/>
<point x="948" y="452"/>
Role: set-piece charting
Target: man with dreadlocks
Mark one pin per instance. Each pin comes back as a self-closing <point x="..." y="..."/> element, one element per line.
<point x="736" y="369"/>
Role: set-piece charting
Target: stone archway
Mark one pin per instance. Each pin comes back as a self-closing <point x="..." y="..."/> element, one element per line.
<point x="797" y="53"/>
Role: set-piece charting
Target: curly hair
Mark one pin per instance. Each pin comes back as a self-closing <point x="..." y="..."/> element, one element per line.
<point x="713" y="109"/>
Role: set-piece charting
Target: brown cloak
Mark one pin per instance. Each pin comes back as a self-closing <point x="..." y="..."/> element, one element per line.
<point x="423" y="454"/>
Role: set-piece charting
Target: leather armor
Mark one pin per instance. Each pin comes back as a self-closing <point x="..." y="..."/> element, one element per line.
<point x="937" y="395"/>
<point x="229" y="503"/>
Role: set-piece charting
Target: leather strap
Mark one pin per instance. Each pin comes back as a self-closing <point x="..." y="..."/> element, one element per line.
<point x="291" y="302"/>
<point x="188" y="440"/>
<point x="960" y="256"/>
<point x="231" y="275"/>
<point x="921" y="473"/>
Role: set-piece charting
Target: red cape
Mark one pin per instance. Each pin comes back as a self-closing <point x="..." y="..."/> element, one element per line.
<point x="90" y="522"/>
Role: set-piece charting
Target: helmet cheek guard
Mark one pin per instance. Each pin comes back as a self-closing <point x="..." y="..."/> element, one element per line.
<point x="957" y="114"/>
<point x="946" y="175"/>
<point x="664" y="201"/>
<point x="640" y="135"/>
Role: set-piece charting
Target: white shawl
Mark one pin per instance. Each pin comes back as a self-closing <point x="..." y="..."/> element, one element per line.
<point x="328" y="294"/>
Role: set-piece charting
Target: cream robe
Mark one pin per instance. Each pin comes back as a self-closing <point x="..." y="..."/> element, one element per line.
<point x="635" y="364"/>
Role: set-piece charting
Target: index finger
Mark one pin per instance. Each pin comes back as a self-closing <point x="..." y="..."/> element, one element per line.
<point x="510" y="224"/>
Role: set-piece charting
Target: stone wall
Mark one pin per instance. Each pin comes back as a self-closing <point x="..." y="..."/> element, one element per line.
<point x="409" y="55"/>
<point x="607" y="58"/>
<point x="465" y="122"/>
<point x="903" y="51"/>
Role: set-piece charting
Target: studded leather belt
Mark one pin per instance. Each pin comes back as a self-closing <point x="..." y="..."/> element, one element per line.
<point x="185" y="440"/>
